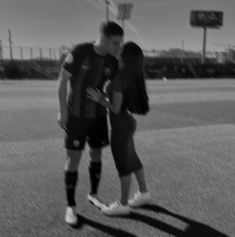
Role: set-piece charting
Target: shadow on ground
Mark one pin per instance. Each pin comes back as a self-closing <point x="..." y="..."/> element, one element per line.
<point x="193" y="229"/>
<point x="112" y="231"/>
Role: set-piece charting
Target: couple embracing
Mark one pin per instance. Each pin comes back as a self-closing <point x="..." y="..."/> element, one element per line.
<point x="82" y="115"/>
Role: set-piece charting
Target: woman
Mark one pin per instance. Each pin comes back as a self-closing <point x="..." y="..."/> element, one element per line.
<point x="127" y="95"/>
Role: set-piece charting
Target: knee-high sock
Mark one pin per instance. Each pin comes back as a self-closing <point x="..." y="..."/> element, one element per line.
<point x="95" y="175"/>
<point x="70" y="179"/>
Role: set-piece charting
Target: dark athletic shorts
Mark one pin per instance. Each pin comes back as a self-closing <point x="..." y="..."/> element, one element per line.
<point x="79" y="130"/>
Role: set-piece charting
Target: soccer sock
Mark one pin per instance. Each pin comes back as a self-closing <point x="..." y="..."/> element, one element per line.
<point x="95" y="175"/>
<point x="70" y="179"/>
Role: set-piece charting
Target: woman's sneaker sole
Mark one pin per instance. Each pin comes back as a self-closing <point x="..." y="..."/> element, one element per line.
<point x="141" y="200"/>
<point x="95" y="201"/>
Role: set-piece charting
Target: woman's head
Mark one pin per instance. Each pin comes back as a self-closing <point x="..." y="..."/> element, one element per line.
<point x="132" y="59"/>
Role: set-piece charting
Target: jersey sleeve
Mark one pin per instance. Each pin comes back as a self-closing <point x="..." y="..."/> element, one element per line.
<point x="76" y="56"/>
<point x="70" y="60"/>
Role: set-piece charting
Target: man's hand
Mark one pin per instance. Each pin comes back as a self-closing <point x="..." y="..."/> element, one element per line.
<point x="62" y="119"/>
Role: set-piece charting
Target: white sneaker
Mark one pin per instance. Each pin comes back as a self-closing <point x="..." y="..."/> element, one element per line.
<point x="95" y="201"/>
<point x="71" y="216"/>
<point x="140" y="199"/>
<point x="116" y="209"/>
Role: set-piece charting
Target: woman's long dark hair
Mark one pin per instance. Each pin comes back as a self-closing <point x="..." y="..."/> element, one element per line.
<point x="136" y="98"/>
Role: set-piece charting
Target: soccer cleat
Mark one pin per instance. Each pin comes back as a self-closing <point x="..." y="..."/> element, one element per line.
<point x="95" y="201"/>
<point x="116" y="209"/>
<point x="140" y="199"/>
<point x="71" y="216"/>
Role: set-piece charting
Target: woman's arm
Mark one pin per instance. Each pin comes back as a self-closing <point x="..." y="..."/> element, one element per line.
<point x="97" y="96"/>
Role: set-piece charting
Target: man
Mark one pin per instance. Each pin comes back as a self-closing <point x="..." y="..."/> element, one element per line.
<point x="88" y="65"/>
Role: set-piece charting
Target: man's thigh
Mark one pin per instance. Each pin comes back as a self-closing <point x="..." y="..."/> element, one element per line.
<point x="76" y="133"/>
<point x="98" y="136"/>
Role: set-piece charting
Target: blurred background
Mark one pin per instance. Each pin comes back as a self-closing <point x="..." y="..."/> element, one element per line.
<point x="35" y="35"/>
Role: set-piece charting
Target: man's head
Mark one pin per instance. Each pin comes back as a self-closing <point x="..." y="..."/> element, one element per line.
<point x="111" y="37"/>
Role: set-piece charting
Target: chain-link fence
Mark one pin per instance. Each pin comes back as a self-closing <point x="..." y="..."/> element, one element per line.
<point x="29" y="62"/>
<point x="29" y="53"/>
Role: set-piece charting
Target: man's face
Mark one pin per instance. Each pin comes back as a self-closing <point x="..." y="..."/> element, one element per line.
<point x="113" y="44"/>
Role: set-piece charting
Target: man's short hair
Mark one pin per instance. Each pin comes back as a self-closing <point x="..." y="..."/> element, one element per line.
<point x="111" y="28"/>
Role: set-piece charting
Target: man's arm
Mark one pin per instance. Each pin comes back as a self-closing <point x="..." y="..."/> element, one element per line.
<point x="63" y="79"/>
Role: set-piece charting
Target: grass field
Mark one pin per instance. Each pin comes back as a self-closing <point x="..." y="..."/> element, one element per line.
<point x="186" y="144"/>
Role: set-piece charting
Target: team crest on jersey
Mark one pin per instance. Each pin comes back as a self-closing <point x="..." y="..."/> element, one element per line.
<point x="107" y="72"/>
<point x="85" y="67"/>
<point x="69" y="58"/>
<point x="86" y="64"/>
<point x="76" y="143"/>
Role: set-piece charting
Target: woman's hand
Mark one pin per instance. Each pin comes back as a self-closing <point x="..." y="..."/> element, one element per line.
<point x="94" y="94"/>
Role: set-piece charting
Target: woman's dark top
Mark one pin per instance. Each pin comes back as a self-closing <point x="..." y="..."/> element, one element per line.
<point x="123" y="121"/>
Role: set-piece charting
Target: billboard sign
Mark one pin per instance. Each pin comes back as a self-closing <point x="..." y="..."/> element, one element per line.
<point x="211" y="19"/>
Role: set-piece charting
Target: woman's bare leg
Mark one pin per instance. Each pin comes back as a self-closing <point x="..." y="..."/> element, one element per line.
<point x="125" y="188"/>
<point x="141" y="180"/>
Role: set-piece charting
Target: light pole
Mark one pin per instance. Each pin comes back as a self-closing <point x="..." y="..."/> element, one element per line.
<point x="10" y="44"/>
<point x="204" y="46"/>
<point x="107" y="9"/>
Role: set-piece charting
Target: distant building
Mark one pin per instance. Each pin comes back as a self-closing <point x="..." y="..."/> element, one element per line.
<point x="231" y="55"/>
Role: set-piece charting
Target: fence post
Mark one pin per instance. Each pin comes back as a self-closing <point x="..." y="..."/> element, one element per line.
<point x="50" y="52"/>
<point x="31" y="53"/>
<point x="1" y="53"/>
<point x="40" y="53"/>
<point x="10" y="44"/>
<point x="21" y="52"/>
<point x="54" y="53"/>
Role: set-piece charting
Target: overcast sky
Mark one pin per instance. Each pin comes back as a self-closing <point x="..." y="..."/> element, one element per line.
<point x="154" y="24"/>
